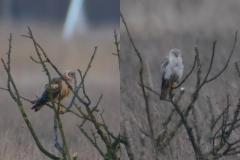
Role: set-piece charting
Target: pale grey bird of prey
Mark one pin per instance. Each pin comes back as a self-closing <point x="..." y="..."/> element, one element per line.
<point x="172" y="69"/>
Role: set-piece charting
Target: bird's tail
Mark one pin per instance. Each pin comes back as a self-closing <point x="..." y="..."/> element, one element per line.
<point x="39" y="103"/>
<point x="164" y="91"/>
<point x="37" y="107"/>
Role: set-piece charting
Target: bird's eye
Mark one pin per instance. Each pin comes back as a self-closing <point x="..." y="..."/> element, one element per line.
<point x="70" y="74"/>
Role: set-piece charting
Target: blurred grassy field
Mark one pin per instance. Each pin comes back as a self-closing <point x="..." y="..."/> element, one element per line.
<point x="156" y="28"/>
<point x="16" y="141"/>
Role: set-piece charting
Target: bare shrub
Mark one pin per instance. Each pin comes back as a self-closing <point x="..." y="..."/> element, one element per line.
<point x="211" y="141"/>
<point x="100" y="133"/>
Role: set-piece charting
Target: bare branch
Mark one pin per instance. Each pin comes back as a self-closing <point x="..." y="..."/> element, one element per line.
<point x="49" y="88"/>
<point x="149" y="89"/>
<point x="56" y="144"/>
<point x="211" y="62"/>
<point x="85" y="74"/>
<point x="117" y="47"/>
<point x="187" y="74"/>
<point x="94" y="144"/>
<point x="84" y="92"/>
<point x="187" y="127"/>
<point x="226" y="65"/>
<point x="19" y="103"/>
<point x="124" y="140"/>
<point x="236" y="64"/>
<point x="198" y="67"/>
<point x="9" y="68"/>
<point x="107" y="138"/>
<point x="141" y="78"/>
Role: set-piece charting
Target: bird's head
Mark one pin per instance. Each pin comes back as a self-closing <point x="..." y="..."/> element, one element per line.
<point x="69" y="74"/>
<point x="175" y="52"/>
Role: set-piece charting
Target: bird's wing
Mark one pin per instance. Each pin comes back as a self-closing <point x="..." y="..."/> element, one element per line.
<point x="55" y="87"/>
<point x="164" y="64"/>
<point x="164" y="87"/>
<point x="163" y="69"/>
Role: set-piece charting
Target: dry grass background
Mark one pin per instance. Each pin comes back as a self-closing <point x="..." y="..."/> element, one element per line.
<point x="16" y="141"/>
<point x="157" y="27"/>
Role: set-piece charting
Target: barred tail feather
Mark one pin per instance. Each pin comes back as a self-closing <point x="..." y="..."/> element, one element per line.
<point x="37" y="107"/>
<point x="40" y="102"/>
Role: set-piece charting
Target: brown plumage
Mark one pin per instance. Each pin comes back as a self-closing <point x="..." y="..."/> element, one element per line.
<point x="56" y="84"/>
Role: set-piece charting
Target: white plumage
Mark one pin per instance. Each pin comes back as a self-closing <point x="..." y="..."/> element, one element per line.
<point x="172" y="70"/>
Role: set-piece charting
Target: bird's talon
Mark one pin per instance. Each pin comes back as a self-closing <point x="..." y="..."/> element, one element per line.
<point x="173" y="86"/>
<point x="170" y="86"/>
<point x="61" y="111"/>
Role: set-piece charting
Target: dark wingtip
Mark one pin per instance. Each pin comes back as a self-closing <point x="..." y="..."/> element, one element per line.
<point x="37" y="107"/>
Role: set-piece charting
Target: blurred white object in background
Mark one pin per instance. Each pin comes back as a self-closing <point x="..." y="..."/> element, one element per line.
<point x="75" y="18"/>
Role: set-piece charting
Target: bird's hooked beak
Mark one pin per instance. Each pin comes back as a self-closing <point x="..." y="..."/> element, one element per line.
<point x="176" y="54"/>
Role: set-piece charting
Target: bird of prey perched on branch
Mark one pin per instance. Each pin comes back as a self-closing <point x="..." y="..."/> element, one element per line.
<point x="58" y="88"/>
<point x="172" y="70"/>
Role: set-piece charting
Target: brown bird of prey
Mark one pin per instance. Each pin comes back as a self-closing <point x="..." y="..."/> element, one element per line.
<point x="58" y="85"/>
<point x="172" y="70"/>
